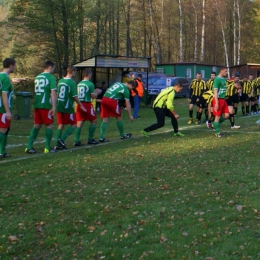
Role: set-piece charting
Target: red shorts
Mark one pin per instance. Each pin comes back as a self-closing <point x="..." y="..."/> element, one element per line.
<point x="66" y="119"/>
<point x="4" y="122"/>
<point x="222" y="107"/>
<point x="42" y="116"/>
<point x="90" y="115"/>
<point x="109" y="108"/>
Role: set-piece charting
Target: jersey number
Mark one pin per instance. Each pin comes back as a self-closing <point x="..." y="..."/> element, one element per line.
<point x="112" y="88"/>
<point x="82" y="91"/>
<point x="40" y="84"/>
<point x="62" y="92"/>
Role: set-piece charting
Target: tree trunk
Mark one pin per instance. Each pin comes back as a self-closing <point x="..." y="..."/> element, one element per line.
<point x="196" y="34"/>
<point x="128" y="29"/>
<point x="181" y="32"/>
<point x="235" y="33"/>
<point x="65" y="34"/>
<point x="223" y="36"/>
<point x="203" y="31"/>
<point x="239" y="32"/>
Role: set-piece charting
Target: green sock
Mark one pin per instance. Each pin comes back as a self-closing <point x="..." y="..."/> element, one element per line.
<point x="103" y="129"/>
<point x="58" y="135"/>
<point x="221" y="120"/>
<point x="33" y="135"/>
<point x="91" y="131"/>
<point x="67" y="133"/>
<point x="217" y="128"/>
<point x="48" y="137"/>
<point x="120" y="127"/>
<point x="77" y="134"/>
<point x="3" y="143"/>
<point x="1" y="136"/>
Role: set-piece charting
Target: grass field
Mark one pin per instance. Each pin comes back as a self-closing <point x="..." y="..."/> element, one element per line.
<point x="163" y="197"/>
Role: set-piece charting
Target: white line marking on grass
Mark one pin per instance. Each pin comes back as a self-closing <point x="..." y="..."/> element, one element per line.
<point x="201" y="128"/>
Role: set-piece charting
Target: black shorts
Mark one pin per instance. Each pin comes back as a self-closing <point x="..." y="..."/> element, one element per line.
<point x="236" y="98"/>
<point x="230" y="101"/>
<point x="193" y="100"/>
<point x="251" y="99"/>
<point x="244" y="97"/>
<point x="202" y="103"/>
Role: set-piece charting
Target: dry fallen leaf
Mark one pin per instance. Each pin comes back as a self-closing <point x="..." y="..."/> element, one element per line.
<point x="13" y="238"/>
<point x="185" y="234"/>
<point x="103" y="232"/>
<point x="39" y="228"/>
<point x="91" y="228"/>
<point x="239" y="207"/>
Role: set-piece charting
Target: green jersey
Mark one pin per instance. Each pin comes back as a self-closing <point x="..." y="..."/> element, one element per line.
<point x="220" y="85"/>
<point x="117" y="91"/>
<point x="67" y="89"/>
<point x="44" y="83"/>
<point x="5" y="86"/>
<point x="85" y="89"/>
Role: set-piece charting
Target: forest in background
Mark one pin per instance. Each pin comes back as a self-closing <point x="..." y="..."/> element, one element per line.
<point x="68" y="31"/>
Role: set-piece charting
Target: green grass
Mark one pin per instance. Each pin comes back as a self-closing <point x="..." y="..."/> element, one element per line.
<point x="161" y="197"/>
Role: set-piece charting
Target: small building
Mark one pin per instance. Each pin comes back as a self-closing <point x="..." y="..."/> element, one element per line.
<point x="110" y="68"/>
<point x="245" y="69"/>
<point x="187" y="69"/>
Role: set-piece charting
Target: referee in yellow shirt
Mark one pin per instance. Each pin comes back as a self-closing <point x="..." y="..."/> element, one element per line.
<point x="163" y="106"/>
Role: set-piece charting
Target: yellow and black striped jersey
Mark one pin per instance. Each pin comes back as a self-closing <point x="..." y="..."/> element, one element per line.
<point x="231" y="90"/>
<point x="256" y="86"/>
<point x="209" y="84"/>
<point x="197" y="87"/>
<point x="246" y="87"/>
<point x="208" y="96"/>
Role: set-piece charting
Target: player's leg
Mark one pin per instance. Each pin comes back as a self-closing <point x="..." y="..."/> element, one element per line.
<point x="38" y="121"/>
<point x="3" y="140"/>
<point x="191" y="105"/>
<point x="91" y="116"/>
<point x="174" y="123"/>
<point x="160" y="116"/>
<point x="70" y="120"/>
<point x="77" y="141"/>
<point x="103" y="129"/>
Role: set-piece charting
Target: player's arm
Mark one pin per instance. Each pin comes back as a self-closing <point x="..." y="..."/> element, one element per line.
<point x="95" y="93"/>
<point x="216" y="99"/>
<point x="128" y="108"/>
<point x="76" y="99"/>
<point x="6" y="105"/>
<point x="190" y="90"/>
<point x="53" y="101"/>
<point x="170" y="105"/>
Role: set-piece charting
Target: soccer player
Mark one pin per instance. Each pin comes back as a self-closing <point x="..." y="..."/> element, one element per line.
<point x="246" y="91"/>
<point x="6" y="97"/>
<point x="233" y="87"/>
<point x="86" y="92"/>
<point x="197" y="86"/>
<point x="208" y="97"/>
<point x="110" y="107"/>
<point x="219" y="101"/>
<point x="44" y="107"/>
<point x="209" y="86"/>
<point x="67" y="94"/>
<point x="251" y="97"/>
<point x="163" y="106"/>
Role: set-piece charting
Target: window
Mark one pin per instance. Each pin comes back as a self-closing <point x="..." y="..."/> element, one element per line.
<point x="188" y="73"/>
<point x="160" y="70"/>
<point x="214" y="68"/>
<point x="202" y="73"/>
